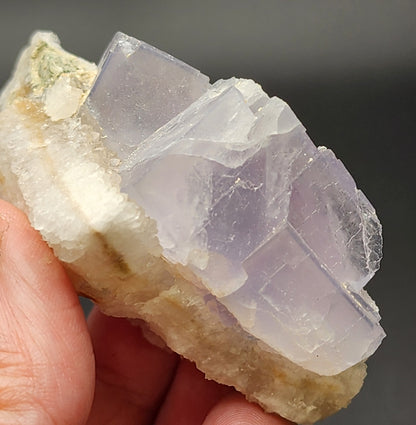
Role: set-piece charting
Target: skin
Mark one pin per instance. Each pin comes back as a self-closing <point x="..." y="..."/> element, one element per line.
<point x="58" y="368"/>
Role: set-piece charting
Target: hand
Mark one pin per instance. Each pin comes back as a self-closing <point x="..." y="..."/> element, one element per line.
<point x="55" y="368"/>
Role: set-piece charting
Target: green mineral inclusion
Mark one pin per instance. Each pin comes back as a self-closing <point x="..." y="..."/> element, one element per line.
<point x="48" y="64"/>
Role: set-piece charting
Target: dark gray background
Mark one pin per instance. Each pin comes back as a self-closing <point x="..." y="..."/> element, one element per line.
<point x="347" y="68"/>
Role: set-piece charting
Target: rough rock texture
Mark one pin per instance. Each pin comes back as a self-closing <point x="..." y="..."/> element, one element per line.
<point x="55" y="165"/>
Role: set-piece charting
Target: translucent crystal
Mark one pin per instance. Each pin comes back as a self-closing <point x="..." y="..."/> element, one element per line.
<point x="273" y="227"/>
<point x="139" y="90"/>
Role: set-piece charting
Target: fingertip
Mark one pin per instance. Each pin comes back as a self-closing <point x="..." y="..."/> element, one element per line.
<point x="236" y="410"/>
<point x="25" y="253"/>
<point x="191" y="397"/>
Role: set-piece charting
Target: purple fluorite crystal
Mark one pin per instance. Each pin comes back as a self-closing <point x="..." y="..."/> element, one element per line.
<point x="273" y="227"/>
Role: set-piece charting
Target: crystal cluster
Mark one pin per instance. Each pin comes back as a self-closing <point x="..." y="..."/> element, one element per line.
<point x="273" y="227"/>
<point x="204" y="210"/>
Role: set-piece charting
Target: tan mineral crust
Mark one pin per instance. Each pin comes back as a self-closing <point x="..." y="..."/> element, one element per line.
<point x="56" y="167"/>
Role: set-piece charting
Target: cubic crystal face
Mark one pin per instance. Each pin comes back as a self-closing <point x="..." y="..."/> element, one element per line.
<point x="271" y="226"/>
<point x="145" y="98"/>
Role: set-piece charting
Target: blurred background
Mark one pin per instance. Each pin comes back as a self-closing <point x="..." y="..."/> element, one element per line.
<point x="348" y="70"/>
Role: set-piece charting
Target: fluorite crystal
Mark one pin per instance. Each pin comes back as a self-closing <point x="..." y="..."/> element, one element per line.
<point x="203" y="209"/>
<point x="273" y="227"/>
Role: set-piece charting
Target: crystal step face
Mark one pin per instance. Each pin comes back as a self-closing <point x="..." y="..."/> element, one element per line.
<point x="273" y="227"/>
<point x="138" y="90"/>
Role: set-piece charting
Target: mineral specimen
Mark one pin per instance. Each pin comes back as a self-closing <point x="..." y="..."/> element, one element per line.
<point x="203" y="209"/>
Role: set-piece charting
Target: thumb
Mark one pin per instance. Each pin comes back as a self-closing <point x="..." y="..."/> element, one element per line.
<point x="46" y="359"/>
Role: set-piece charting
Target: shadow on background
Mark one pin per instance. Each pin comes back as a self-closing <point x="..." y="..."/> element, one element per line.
<point x="348" y="70"/>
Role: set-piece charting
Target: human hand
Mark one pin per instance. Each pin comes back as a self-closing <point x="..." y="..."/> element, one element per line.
<point x="55" y="368"/>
